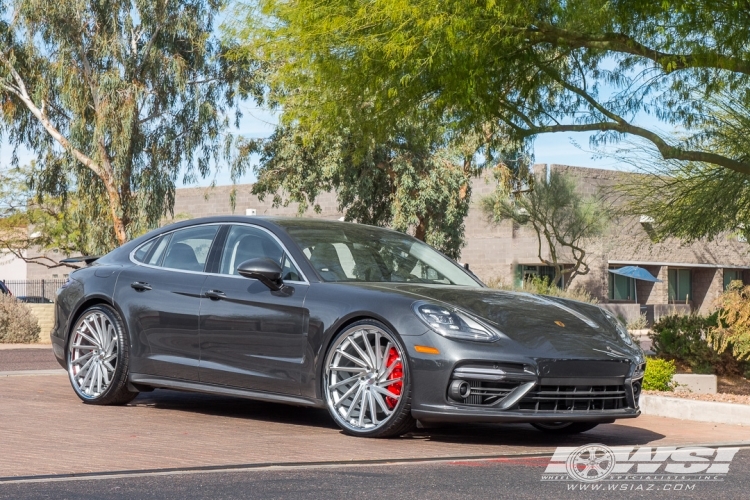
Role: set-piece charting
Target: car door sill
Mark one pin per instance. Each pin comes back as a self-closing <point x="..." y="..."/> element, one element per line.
<point x="184" y="385"/>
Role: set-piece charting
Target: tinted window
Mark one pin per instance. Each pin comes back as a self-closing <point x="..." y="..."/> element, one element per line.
<point x="140" y="254"/>
<point x="354" y="252"/>
<point x="188" y="248"/>
<point x="247" y="242"/>
<point x="154" y="257"/>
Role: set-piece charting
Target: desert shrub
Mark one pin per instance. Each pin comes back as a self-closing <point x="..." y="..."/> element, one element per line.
<point x="638" y="324"/>
<point x="541" y="285"/>
<point x="658" y="376"/>
<point x="685" y="339"/>
<point x="17" y="323"/>
<point x="732" y="332"/>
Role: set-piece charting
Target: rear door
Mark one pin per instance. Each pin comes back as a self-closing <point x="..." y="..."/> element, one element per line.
<point x="160" y="299"/>
<point x="252" y="337"/>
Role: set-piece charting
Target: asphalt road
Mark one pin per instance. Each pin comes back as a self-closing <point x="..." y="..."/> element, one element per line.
<point x="485" y="479"/>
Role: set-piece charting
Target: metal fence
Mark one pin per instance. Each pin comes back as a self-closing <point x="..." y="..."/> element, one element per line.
<point x="34" y="290"/>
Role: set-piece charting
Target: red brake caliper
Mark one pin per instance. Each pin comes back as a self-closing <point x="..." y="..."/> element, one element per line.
<point x="398" y="372"/>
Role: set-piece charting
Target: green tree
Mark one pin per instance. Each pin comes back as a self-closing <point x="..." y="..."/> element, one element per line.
<point x="29" y="223"/>
<point x="415" y="180"/>
<point x="561" y="217"/>
<point x="520" y="68"/>
<point x="115" y="100"/>
<point x="694" y="200"/>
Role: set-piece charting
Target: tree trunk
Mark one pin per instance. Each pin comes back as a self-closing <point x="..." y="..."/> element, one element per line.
<point x="421" y="232"/>
<point x="116" y="212"/>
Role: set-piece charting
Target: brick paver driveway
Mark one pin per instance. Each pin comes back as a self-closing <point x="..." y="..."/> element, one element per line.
<point x="45" y="429"/>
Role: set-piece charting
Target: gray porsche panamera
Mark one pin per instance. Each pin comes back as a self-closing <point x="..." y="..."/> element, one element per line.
<point x="375" y="326"/>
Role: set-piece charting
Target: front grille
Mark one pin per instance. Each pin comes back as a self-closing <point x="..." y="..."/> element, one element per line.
<point x="573" y="398"/>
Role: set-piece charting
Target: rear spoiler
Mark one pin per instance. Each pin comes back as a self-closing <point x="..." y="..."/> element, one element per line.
<point x="88" y="259"/>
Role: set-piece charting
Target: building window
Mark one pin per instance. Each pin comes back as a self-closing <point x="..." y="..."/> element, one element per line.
<point x="679" y="285"/>
<point x="731" y="275"/>
<point x="621" y="288"/>
<point x="529" y="272"/>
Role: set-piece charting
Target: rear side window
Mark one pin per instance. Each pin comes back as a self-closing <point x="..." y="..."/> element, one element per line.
<point x="155" y="256"/>
<point x="188" y="248"/>
<point x="142" y="252"/>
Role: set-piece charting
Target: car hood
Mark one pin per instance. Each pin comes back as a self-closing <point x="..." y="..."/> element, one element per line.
<point x="542" y="325"/>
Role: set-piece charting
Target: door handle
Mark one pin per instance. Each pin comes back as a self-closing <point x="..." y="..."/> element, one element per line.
<point x="140" y="286"/>
<point x="214" y="294"/>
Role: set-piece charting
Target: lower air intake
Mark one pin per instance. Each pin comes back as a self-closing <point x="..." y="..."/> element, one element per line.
<point x="573" y="398"/>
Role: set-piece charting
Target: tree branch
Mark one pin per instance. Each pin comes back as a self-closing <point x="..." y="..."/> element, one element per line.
<point x="41" y="116"/>
<point x="667" y="151"/>
<point x="619" y="42"/>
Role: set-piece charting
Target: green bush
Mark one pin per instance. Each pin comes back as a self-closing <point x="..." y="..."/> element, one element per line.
<point x="684" y="339"/>
<point x="540" y="285"/>
<point x="17" y="323"/>
<point x="658" y="376"/>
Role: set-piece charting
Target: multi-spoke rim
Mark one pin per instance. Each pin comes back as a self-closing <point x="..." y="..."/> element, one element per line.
<point x="92" y="354"/>
<point x="364" y="378"/>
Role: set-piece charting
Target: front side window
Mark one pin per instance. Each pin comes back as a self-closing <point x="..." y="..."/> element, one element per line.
<point x="188" y="248"/>
<point x="679" y="285"/>
<point x="247" y="242"/>
<point x="360" y="253"/>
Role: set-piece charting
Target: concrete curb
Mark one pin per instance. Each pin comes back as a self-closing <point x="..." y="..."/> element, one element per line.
<point x="26" y="373"/>
<point x="690" y="409"/>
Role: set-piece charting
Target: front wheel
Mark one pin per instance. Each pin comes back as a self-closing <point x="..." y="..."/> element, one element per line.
<point x="367" y="383"/>
<point x="98" y="357"/>
<point x="565" y="427"/>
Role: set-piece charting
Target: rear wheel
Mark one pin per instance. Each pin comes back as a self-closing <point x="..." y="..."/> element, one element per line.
<point x="367" y="383"/>
<point x="565" y="427"/>
<point x="98" y="357"/>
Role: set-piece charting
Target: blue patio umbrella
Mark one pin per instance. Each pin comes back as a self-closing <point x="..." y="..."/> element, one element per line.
<point x="635" y="272"/>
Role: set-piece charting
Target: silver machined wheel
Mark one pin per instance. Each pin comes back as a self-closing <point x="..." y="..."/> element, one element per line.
<point x="92" y="354"/>
<point x="364" y="378"/>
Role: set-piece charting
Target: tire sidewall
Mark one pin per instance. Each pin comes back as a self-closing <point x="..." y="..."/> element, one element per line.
<point x="405" y="398"/>
<point x="120" y="375"/>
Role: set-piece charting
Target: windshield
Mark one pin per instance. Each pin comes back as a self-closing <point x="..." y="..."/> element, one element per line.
<point x="360" y="253"/>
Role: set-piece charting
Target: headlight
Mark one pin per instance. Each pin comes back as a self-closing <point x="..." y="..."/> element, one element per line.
<point x="621" y="330"/>
<point x="454" y="324"/>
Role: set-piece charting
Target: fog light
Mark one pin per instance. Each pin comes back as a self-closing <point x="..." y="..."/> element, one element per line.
<point x="459" y="390"/>
<point x="636" y="391"/>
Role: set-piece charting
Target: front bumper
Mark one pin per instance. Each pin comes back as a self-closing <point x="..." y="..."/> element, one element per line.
<point x="519" y="387"/>
<point x="448" y="413"/>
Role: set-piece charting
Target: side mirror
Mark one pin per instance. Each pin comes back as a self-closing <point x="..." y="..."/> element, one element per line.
<point x="266" y="271"/>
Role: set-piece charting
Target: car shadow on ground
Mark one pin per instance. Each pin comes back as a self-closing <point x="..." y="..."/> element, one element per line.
<point x="476" y="434"/>
<point x="225" y="406"/>
<point x="526" y="435"/>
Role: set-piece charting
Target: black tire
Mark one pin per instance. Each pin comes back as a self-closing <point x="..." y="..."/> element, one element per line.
<point x="400" y="421"/>
<point x="116" y="392"/>
<point x="565" y="428"/>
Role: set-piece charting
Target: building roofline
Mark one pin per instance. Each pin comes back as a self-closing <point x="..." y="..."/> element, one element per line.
<point x="674" y="264"/>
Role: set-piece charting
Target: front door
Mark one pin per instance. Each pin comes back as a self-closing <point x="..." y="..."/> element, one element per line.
<point x="252" y="337"/>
